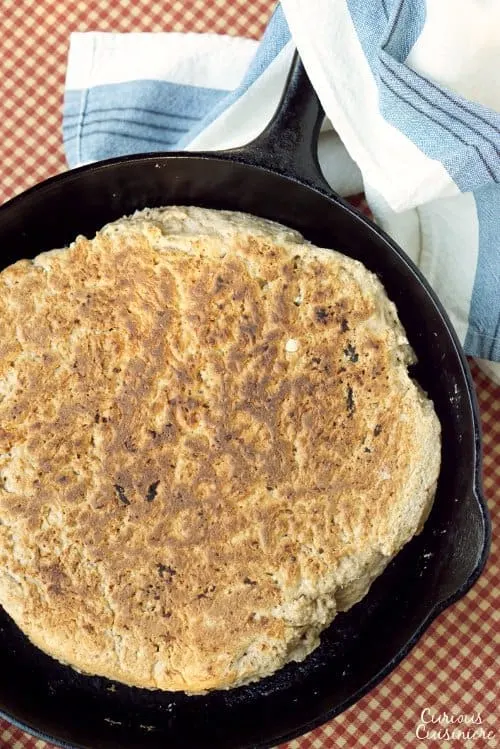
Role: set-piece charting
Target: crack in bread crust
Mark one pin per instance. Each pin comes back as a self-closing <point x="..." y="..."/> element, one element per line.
<point x="209" y="444"/>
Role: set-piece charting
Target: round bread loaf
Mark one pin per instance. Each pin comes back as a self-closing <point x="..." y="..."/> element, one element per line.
<point x="209" y="445"/>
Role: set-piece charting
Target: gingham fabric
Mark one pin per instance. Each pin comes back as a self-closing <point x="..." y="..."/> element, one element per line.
<point x="455" y="666"/>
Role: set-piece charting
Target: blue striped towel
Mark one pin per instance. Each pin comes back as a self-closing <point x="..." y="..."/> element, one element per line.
<point x="410" y="87"/>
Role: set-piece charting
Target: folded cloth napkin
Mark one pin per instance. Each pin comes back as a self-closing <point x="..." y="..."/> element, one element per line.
<point x="409" y="86"/>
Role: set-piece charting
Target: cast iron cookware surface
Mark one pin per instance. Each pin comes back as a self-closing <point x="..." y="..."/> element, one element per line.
<point x="276" y="177"/>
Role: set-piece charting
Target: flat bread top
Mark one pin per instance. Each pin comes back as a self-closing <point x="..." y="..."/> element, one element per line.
<point x="209" y="444"/>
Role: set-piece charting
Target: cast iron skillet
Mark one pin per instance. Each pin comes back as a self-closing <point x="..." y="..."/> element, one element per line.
<point x="276" y="176"/>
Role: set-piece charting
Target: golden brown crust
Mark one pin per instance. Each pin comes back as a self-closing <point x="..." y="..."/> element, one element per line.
<point x="209" y="444"/>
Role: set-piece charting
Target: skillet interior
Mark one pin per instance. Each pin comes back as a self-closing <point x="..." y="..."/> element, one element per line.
<point x="361" y="646"/>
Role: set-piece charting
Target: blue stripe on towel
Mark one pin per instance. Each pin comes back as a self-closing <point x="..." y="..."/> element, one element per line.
<point x="142" y="116"/>
<point x="406" y="23"/>
<point x="483" y="336"/>
<point x="437" y="126"/>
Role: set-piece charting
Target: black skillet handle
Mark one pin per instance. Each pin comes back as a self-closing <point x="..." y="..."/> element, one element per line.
<point x="289" y="143"/>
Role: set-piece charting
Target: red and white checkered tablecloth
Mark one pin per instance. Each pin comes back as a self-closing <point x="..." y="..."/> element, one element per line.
<point x="455" y="667"/>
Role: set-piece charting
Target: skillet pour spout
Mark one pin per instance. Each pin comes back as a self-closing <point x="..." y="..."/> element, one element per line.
<point x="277" y="177"/>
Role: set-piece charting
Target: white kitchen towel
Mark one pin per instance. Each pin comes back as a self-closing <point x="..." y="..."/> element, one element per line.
<point x="411" y="88"/>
